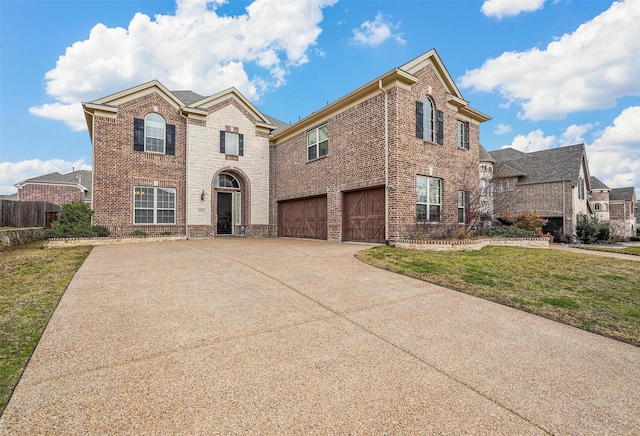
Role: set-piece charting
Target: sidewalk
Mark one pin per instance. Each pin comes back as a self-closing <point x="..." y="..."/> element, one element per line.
<point x="594" y="252"/>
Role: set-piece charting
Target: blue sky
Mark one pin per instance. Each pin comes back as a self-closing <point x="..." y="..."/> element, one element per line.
<point x="549" y="72"/>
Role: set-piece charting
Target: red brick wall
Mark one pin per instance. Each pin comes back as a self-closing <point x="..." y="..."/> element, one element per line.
<point x="356" y="159"/>
<point x="118" y="168"/>
<point x="56" y="194"/>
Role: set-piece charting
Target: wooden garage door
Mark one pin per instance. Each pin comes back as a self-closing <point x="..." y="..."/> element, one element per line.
<point x="303" y="218"/>
<point x="364" y="215"/>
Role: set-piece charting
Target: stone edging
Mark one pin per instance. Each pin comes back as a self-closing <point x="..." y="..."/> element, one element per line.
<point x="471" y="244"/>
<point x="75" y="242"/>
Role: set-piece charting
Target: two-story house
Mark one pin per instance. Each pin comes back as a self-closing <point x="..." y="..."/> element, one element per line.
<point x="554" y="182"/>
<point x="56" y="188"/>
<point x="622" y="209"/>
<point x="395" y="158"/>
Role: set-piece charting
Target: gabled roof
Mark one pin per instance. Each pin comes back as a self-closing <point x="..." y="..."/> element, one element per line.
<point x="553" y="165"/>
<point x="597" y="184"/>
<point x="188" y="97"/>
<point x="485" y="156"/>
<point x="622" y="194"/>
<point x="402" y="77"/>
<point x="80" y="178"/>
<point x="503" y="171"/>
<point x="232" y="93"/>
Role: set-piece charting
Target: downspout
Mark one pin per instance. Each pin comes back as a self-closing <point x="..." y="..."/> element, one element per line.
<point x="564" y="209"/>
<point x="93" y="155"/>
<point x="186" y="174"/>
<point x="386" y="163"/>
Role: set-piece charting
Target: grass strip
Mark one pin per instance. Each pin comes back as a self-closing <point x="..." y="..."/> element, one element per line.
<point x="601" y="295"/>
<point x="634" y="251"/>
<point x="32" y="281"/>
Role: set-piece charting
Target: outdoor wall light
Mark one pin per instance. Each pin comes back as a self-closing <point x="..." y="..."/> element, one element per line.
<point x="202" y="195"/>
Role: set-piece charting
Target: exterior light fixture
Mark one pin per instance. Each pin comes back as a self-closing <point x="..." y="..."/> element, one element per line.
<point x="202" y="195"/>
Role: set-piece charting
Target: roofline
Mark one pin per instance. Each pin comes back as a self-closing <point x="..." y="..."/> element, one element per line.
<point x="351" y="99"/>
<point x="31" y="182"/>
<point x="264" y="121"/>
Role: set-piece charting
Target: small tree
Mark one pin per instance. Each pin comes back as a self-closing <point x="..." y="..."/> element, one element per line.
<point x="74" y="221"/>
<point x="590" y="230"/>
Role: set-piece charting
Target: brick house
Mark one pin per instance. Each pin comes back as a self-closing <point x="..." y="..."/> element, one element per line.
<point x="600" y="199"/>
<point x="555" y="183"/>
<point x="395" y="158"/>
<point x="57" y="188"/>
<point x="622" y="208"/>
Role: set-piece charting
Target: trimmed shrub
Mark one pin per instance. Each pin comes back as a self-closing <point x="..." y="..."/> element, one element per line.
<point x="510" y="232"/>
<point x="100" y="231"/>
<point x="74" y="221"/>
<point x="590" y="230"/>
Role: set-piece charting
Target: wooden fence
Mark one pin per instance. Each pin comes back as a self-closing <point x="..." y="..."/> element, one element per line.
<point x="27" y="213"/>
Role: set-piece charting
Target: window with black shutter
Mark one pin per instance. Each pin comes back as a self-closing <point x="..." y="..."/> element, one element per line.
<point x="171" y="139"/>
<point x="440" y="127"/>
<point x="419" y="120"/>
<point x="222" y="147"/>
<point x="138" y="134"/>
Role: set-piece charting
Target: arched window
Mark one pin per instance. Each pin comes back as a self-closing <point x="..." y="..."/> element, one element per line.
<point x="154" y="133"/>
<point x="226" y="181"/>
<point x="428" y="119"/>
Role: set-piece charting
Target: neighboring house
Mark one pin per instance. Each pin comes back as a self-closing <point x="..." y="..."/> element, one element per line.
<point x="600" y="199"/>
<point x="485" y="201"/>
<point x="622" y="207"/>
<point x="393" y="159"/>
<point x="555" y="183"/>
<point x="637" y="218"/>
<point x="11" y="197"/>
<point x="57" y="188"/>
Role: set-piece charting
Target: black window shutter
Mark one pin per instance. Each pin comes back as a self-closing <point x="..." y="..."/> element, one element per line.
<point x="171" y="139"/>
<point x="241" y="144"/>
<point x="138" y="134"/>
<point x="440" y="127"/>
<point x="466" y="135"/>
<point x="419" y="119"/>
<point x="222" y="141"/>
<point x="467" y="207"/>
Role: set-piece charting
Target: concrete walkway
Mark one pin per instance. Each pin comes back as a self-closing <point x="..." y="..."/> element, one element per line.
<point x="275" y="336"/>
<point x="594" y="252"/>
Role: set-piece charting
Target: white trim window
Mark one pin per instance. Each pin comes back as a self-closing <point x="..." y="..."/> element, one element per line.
<point x="428" y="199"/>
<point x="428" y="122"/>
<point x="318" y="142"/>
<point x="154" y="133"/>
<point x="154" y="205"/>
<point x="232" y="143"/>
<point x="461" y="207"/>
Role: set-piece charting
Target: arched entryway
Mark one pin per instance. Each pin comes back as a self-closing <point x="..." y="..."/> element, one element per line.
<point x="229" y="205"/>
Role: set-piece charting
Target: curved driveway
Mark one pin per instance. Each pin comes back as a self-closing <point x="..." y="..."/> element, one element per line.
<point x="280" y="336"/>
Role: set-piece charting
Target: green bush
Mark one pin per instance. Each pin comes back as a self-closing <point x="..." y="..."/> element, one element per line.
<point x="511" y="232"/>
<point x="139" y="234"/>
<point x="74" y="221"/>
<point x="590" y="230"/>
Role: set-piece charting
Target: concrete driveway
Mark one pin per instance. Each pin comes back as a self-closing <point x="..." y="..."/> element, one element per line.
<point x="277" y="336"/>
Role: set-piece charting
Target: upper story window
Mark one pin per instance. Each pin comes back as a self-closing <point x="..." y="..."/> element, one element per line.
<point x="428" y="199"/>
<point x="429" y="121"/>
<point x="462" y="134"/>
<point x="231" y="143"/>
<point x="581" y="188"/>
<point x="318" y="142"/>
<point x="152" y="134"/>
<point x="596" y="206"/>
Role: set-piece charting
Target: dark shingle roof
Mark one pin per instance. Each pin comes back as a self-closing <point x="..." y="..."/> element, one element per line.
<point x="596" y="183"/>
<point x="188" y="97"/>
<point x="485" y="156"/>
<point x="80" y="177"/>
<point x="280" y="125"/>
<point x="504" y="171"/>
<point x="621" y="194"/>
<point x="553" y="165"/>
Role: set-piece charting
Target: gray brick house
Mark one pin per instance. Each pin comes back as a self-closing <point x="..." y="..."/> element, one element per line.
<point x="555" y="183"/>
<point x="395" y="158"/>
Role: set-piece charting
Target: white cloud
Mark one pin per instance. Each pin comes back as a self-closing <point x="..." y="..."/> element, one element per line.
<point x="376" y="32"/>
<point x="194" y="49"/>
<point x="16" y="172"/>
<point x="72" y="114"/>
<point x="574" y="134"/>
<point x="588" y="69"/>
<point x="614" y="157"/>
<point x="534" y="141"/>
<point x="507" y="8"/>
<point x="502" y="129"/>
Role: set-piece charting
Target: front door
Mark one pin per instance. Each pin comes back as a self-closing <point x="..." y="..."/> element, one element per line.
<point x="225" y="222"/>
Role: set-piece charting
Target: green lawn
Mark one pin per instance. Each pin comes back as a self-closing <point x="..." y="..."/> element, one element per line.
<point x="32" y="281"/>
<point x="597" y="294"/>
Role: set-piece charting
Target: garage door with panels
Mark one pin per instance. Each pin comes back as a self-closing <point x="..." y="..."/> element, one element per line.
<point x="303" y="218"/>
<point x="363" y="219"/>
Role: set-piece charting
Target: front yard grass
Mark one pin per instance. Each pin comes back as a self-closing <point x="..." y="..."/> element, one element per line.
<point x="598" y="294"/>
<point x="32" y="281"/>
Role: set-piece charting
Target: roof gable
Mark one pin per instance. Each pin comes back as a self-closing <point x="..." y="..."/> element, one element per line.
<point x="431" y="58"/>
<point x="130" y="94"/>
<point x="598" y="184"/>
<point x="230" y="93"/>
